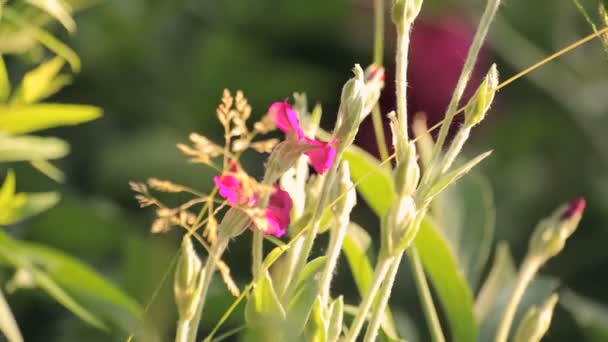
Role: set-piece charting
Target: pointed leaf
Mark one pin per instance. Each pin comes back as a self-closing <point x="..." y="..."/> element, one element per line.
<point x="31" y="148"/>
<point x="316" y="327"/>
<point x="5" y="83"/>
<point x="303" y="299"/>
<point x="8" y="325"/>
<point x="263" y="304"/>
<point x="441" y="265"/>
<point x="18" y="119"/>
<point x="58" y="9"/>
<point x="38" y="84"/>
<point x="455" y="175"/>
<point x="336" y="313"/>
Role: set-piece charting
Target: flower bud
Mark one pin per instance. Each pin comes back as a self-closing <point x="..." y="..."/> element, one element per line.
<point x="282" y="158"/>
<point x="405" y="12"/>
<point x="551" y="234"/>
<point x="374" y="82"/>
<point x="536" y="322"/>
<point x="397" y="225"/>
<point x="187" y="280"/>
<point x="478" y="105"/>
<point x="351" y="109"/>
<point x="407" y="172"/>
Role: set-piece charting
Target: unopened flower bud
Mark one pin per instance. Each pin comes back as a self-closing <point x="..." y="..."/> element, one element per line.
<point x="405" y="12"/>
<point x="536" y="322"/>
<point x="282" y="158"/>
<point x="478" y="105"/>
<point x="398" y="223"/>
<point x="407" y="173"/>
<point x="551" y="234"/>
<point x="374" y="82"/>
<point x="187" y="280"/>
<point x="351" y="109"/>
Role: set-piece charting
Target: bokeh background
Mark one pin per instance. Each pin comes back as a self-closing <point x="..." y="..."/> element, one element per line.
<point x="158" y="68"/>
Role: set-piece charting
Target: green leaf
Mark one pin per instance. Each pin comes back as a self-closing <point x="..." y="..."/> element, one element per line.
<point x="442" y="267"/>
<point x="5" y="83"/>
<point x="591" y="316"/>
<point x="18" y="119"/>
<point x="537" y="293"/>
<point x="44" y="37"/>
<point x="316" y="327"/>
<point x="40" y="83"/>
<point x="502" y="272"/>
<point x="71" y="283"/>
<point x="15" y="207"/>
<point x="31" y="148"/>
<point x="374" y="182"/>
<point x="263" y="304"/>
<point x="59" y="9"/>
<point x="465" y="213"/>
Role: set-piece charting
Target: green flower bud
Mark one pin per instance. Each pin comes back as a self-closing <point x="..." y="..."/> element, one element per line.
<point x="407" y="172"/>
<point x="551" y="234"/>
<point x="478" y="105"/>
<point x="282" y="158"/>
<point x="374" y="82"/>
<point x="396" y="227"/>
<point x="187" y="280"/>
<point x="405" y="12"/>
<point x="233" y="224"/>
<point x="536" y="322"/>
<point x="351" y="109"/>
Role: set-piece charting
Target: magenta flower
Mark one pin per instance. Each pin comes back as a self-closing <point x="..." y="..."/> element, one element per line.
<point x="575" y="207"/>
<point x="321" y="154"/>
<point x="278" y="212"/>
<point x="276" y="216"/>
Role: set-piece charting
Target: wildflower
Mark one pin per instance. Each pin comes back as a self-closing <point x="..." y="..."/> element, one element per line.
<point x="321" y="154"/>
<point x="241" y="191"/>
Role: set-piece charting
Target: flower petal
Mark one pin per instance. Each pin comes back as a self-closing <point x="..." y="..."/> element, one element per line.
<point x="286" y="118"/>
<point x="278" y="212"/>
<point x="229" y="188"/>
<point x="322" y="155"/>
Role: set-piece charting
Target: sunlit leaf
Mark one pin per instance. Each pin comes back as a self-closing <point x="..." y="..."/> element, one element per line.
<point x="40" y="83"/>
<point x="58" y="9"/>
<point x="453" y="176"/>
<point x="31" y="148"/>
<point x="591" y="316"/>
<point x="5" y="83"/>
<point x="303" y="299"/>
<point x="8" y="325"/>
<point x="44" y="37"/>
<point x="336" y="314"/>
<point x="502" y="272"/>
<point x="316" y="327"/>
<point x="449" y="282"/>
<point x="17" y="119"/>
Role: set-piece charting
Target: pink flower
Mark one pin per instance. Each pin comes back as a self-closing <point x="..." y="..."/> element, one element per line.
<point x="278" y="212"/>
<point x="575" y="207"/>
<point x="321" y="154"/>
<point x="276" y="216"/>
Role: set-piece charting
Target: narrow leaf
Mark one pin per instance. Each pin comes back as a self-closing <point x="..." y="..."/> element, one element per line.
<point x="38" y="84"/>
<point x="455" y="175"/>
<point x="8" y="325"/>
<point x="503" y="271"/>
<point x="58" y="9"/>
<point x="17" y="119"/>
<point x="31" y="148"/>
<point x="5" y="83"/>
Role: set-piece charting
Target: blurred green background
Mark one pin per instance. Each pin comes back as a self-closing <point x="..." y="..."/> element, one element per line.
<point x="158" y="67"/>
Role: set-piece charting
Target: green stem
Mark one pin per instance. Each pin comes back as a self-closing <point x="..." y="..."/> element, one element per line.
<point x="465" y="75"/>
<point x="183" y="330"/>
<point x="257" y="253"/>
<point x="403" y="42"/>
<point x="333" y="253"/>
<point x="382" y="268"/>
<point x="454" y="149"/>
<point x="382" y="302"/>
<point x="424" y="293"/>
<point x="378" y="32"/>
<point x="528" y="269"/>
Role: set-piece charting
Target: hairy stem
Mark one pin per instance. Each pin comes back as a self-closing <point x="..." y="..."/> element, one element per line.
<point x="528" y="269"/>
<point x="378" y="59"/>
<point x="382" y="302"/>
<point x="465" y="75"/>
<point x="424" y="293"/>
<point x="382" y="268"/>
<point x="335" y="246"/>
<point x="8" y="325"/>
<point x="403" y="42"/>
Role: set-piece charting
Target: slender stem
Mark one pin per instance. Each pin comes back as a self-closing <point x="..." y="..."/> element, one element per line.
<point x="183" y="330"/>
<point x="378" y="32"/>
<point x="382" y="268"/>
<point x="382" y="302"/>
<point x="379" y="132"/>
<point x="424" y="293"/>
<point x="467" y="69"/>
<point x="527" y="271"/>
<point x="403" y="42"/>
<point x="335" y="246"/>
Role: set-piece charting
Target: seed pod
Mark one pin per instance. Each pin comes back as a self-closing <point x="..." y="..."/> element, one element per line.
<point x="478" y="105"/>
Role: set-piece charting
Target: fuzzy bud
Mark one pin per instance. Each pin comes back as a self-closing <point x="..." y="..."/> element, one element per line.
<point x="396" y="228"/>
<point x="188" y="277"/>
<point x="282" y="158"/>
<point x="407" y="172"/>
<point x="351" y="109"/>
<point x="374" y="82"/>
<point x="405" y="12"/>
<point x="551" y="234"/>
<point x="536" y="322"/>
<point x="478" y="105"/>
